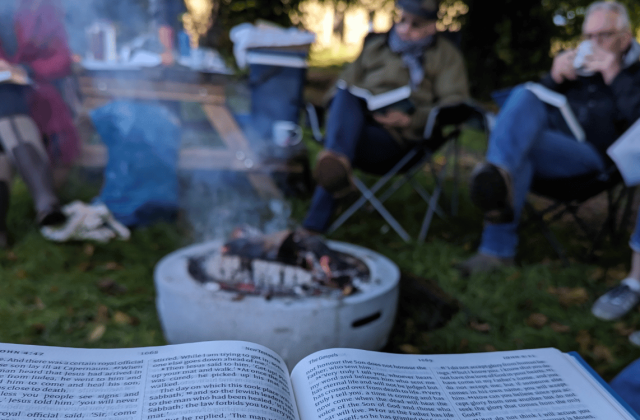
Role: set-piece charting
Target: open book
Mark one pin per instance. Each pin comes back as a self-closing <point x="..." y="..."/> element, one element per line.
<point x="240" y="380"/>
<point x="397" y="99"/>
<point x="625" y="152"/>
<point x="7" y="76"/>
<point x="559" y="101"/>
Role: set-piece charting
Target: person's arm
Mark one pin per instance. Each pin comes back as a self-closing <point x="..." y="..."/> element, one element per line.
<point x="53" y="59"/>
<point x="351" y="75"/>
<point x="449" y="86"/>
<point x="626" y="89"/>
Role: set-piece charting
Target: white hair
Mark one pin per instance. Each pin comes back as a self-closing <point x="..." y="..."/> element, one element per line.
<point x="610" y="6"/>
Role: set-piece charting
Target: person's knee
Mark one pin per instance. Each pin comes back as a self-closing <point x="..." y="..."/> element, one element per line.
<point x="18" y="129"/>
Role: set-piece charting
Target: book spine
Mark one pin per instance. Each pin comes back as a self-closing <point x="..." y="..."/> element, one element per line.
<point x="605" y="385"/>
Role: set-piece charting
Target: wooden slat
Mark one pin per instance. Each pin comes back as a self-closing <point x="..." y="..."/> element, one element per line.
<point x="224" y="123"/>
<point x="95" y="156"/>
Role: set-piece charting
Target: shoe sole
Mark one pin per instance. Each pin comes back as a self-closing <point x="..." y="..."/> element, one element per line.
<point x="333" y="174"/>
<point x="489" y="192"/>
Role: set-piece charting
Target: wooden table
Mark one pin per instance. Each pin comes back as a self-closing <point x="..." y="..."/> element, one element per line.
<point x="237" y="156"/>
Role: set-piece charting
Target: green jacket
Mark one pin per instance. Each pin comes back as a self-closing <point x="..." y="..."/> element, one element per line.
<point x="379" y="70"/>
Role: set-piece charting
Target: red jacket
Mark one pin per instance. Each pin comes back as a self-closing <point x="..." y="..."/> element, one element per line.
<point x="43" y="49"/>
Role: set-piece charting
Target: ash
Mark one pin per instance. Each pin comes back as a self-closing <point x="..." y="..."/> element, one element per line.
<point x="287" y="263"/>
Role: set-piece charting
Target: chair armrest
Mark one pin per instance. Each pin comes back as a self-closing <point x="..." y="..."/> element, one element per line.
<point x="453" y="114"/>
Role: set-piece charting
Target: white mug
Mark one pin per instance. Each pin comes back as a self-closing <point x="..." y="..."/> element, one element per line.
<point x="286" y="133"/>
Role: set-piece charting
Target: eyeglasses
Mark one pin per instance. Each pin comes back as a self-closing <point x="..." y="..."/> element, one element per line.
<point x="600" y="36"/>
<point x="412" y="22"/>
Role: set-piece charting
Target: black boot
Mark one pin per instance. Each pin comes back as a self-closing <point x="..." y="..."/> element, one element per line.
<point x="37" y="174"/>
<point x="4" y="209"/>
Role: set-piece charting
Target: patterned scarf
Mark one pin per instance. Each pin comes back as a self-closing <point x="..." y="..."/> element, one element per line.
<point x="412" y="54"/>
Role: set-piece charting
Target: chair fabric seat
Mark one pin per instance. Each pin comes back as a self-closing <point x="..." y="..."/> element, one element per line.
<point x="577" y="188"/>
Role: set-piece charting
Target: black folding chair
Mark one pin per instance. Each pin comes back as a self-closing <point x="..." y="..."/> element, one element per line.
<point x="443" y="128"/>
<point x="569" y="194"/>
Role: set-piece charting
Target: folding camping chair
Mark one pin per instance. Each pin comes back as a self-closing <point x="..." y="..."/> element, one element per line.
<point x="569" y="194"/>
<point x="450" y="116"/>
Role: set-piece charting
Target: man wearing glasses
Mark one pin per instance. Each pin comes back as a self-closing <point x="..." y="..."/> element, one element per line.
<point x="410" y="54"/>
<point x="531" y="138"/>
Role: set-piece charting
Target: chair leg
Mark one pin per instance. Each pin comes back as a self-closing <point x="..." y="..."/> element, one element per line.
<point x="538" y="218"/>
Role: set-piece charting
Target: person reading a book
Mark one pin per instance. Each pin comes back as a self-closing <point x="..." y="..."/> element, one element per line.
<point x="532" y="138"/>
<point x="33" y="55"/>
<point x="411" y="58"/>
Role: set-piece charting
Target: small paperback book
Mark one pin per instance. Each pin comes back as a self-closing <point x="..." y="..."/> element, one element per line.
<point x="625" y="152"/>
<point x="242" y="380"/>
<point x="559" y="101"/>
<point x="397" y="99"/>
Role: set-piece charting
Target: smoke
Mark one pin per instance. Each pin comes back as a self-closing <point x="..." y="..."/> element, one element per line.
<point x="215" y="203"/>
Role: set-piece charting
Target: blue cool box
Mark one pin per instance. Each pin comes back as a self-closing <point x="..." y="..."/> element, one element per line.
<point x="276" y="80"/>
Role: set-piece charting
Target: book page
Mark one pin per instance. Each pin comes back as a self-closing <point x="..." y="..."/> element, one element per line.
<point x="347" y="384"/>
<point x="200" y="381"/>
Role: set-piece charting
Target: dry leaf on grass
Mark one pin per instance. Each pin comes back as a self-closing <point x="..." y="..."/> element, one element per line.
<point x="103" y="314"/>
<point x="598" y="273"/>
<point x="112" y="266"/>
<point x="409" y="349"/>
<point x="11" y="256"/>
<point x="584" y="340"/>
<point x="569" y="296"/>
<point x="603" y="353"/>
<point x="110" y="287"/>
<point x="537" y="320"/>
<point x="559" y="328"/>
<point x="84" y="266"/>
<point x="121" y="318"/>
<point x="622" y="329"/>
<point x="464" y="343"/>
<point x="97" y="333"/>
<point x="514" y="276"/>
<point x="39" y="303"/>
<point x="88" y="249"/>
<point x="489" y="347"/>
<point x="484" y="327"/>
<point x="21" y="274"/>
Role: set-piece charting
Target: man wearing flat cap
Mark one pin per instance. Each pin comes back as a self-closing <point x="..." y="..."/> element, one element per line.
<point x="411" y="54"/>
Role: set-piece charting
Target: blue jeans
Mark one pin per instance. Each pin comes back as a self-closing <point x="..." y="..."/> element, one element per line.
<point x="528" y="141"/>
<point x="634" y="243"/>
<point x="351" y="132"/>
<point x="627" y="385"/>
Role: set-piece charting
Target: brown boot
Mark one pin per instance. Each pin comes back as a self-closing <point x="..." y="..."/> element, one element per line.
<point x="333" y="173"/>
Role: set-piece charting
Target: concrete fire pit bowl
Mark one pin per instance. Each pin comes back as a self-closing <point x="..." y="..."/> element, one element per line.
<point x="294" y="327"/>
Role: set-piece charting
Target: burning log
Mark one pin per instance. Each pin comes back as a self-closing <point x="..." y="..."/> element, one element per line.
<point x="286" y="263"/>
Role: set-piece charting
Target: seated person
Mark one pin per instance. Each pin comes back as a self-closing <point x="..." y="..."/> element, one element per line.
<point x="413" y="54"/>
<point x="33" y="50"/>
<point x="624" y="297"/>
<point x="627" y="385"/>
<point x="531" y="139"/>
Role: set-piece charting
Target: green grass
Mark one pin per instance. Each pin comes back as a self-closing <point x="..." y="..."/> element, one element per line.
<point x="102" y="295"/>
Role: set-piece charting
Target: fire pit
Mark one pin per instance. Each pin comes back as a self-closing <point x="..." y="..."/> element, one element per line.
<point x="204" y="292"/>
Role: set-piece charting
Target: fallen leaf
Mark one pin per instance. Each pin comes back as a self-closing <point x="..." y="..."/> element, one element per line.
<point x="537" y="320"/>
<point x="409" y="349"/>
<point x="597" y="274"/>
<point x="584" y="340"/>
<point x="622" y="329"/>
<point x="112" y="266"/>
<point x="21" y="274"/>
<point x="601" y="352"/>
<point x="110" y="287"/>
<point x="54" y="289"/>
<point x="484" y="327"/>
<point x="84" y="266"/>
<point x="97" y="333"/>
<point x="489" y="347"/>
<point x="121" y="318"/>
<point x="464" y="343"/>
<point x="88" y="250"/>
<point x="568" y="296"/>
<point x="39" y="303"/>
<point x="559" y="328"/>
<point x="103" y="314"/>
<point x="11" y="256"/>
